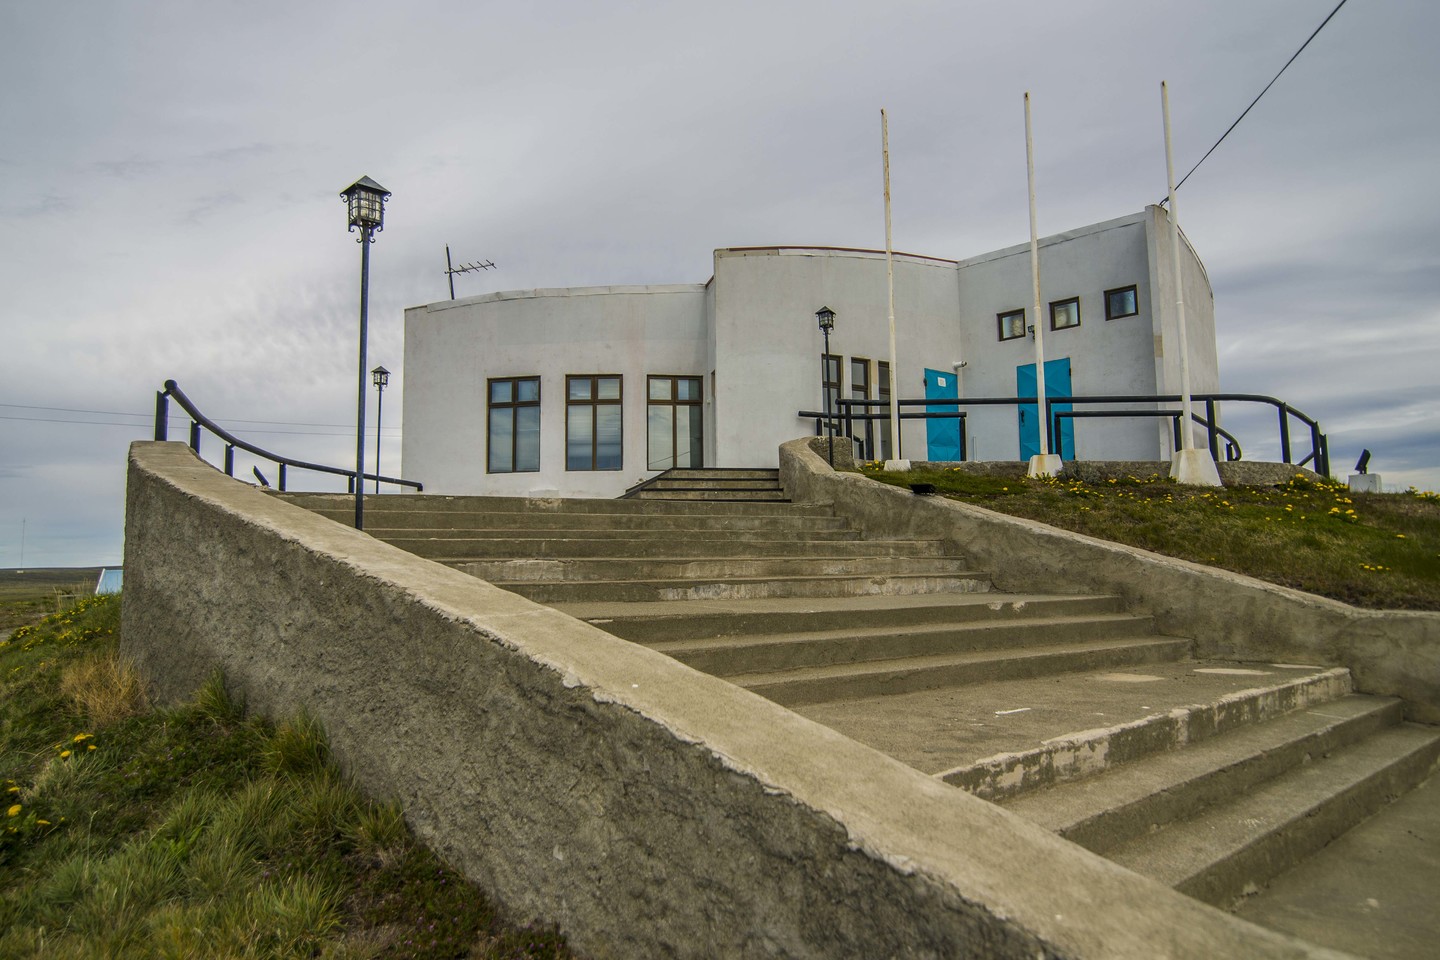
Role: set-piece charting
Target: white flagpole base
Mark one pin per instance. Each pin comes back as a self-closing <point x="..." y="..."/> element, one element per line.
<point x="1045" y="465"/>
<point x="897" y="466"/>
<point x="1195" y="467"/>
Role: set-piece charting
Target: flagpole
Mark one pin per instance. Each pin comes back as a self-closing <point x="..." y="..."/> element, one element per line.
<point x="895" y="461"/>
<point x="1042" y="464"/>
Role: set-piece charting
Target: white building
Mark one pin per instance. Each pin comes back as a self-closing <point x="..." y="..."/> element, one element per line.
<point x="587" y="391"/>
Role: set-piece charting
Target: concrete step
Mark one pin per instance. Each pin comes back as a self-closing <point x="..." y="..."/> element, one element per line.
<point x="709" y="494"/>
<point x="1105" y="811"/>
<point x="778" y="652"/>
<point x="1371" y="891"/>
<point x="574" y="570"/>
<point x="1238" y="846"/>
<point x="744" y="588"/>
<point x="1090" y="752"/>
<point x="522" y="545"/>
<point x="709" y="619"/>
<point x="770" y="474"/>
<point x="444" y="523"/>
<point x="399" y="504"/>
<point x="812" y="685"/>
<point x="689" y="482"/>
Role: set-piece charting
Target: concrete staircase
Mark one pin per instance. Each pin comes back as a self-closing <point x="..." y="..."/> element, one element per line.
<point x="1212" y="777"/>
<point x="711" y="484"/>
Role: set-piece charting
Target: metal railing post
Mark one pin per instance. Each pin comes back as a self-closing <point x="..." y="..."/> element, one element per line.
<point x="282" y="478"/>
<point x="1284" y="434"/>
<point x="195" y="436"/>
<point x="964" y="437"/>
<point x="1210" y="429"/>
<point x="229" y="459"/>
<point x="162" y="416"/>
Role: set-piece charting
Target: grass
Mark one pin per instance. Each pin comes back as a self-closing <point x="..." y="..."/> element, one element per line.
<point x="1380" y="551"/>
<point x="201" y="831"/>
<point x="27" y="594"/>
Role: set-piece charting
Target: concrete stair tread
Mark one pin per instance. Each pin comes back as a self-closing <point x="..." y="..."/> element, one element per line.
<point x="1102" y="811"/>
<point x="1115" y="622"/>
<point x="910" y="664"/>
<point x="942" y="730"/>
<point x="1253" y="838"/>
<point x="732" y="587"/>
<point x="700" y="569"/>
<point x="718" y="619"/>
<point x="453" y="552"/>
<point x="806" y="605"/>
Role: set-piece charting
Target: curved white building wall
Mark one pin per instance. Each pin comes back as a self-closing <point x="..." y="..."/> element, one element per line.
<point x="453" y="348"/>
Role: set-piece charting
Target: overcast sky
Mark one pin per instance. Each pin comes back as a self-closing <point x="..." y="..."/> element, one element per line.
<point x="169" y="176"/>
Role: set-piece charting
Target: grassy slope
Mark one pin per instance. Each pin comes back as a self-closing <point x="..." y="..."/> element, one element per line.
<point x="1380" y="551"/>
<point x="200" y="831"/>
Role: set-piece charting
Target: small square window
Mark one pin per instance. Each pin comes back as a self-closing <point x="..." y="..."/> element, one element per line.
<point x="1065" y="313"/>
<point x="1012" y="324"/>
<point x="1121" y="303"/>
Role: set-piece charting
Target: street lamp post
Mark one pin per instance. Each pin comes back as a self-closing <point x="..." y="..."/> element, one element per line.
<point x="381" y="378"/>
<point x="826" y="317"/>
<point x="365" y="205"/>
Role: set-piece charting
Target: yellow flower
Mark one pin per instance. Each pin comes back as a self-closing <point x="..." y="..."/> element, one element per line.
<point x="12" y="789"/>
<point x="79" y="737"/>
<point x="64" y="754"/>
<point x="1399" y="536"/>
<point x="42" y="823"/>
<point x="13" y="811"/>
<point x="90" y="746"/>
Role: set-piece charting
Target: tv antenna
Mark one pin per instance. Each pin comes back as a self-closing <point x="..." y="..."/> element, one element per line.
<point x="451" y="270"/>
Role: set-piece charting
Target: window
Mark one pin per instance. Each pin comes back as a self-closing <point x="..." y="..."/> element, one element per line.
<point x="1121" y="303"/>
<point x="860" y="390"/>
<point x="1012" y="324"/>
<point x="882" y="378"/>
<point x="1065" y="313"/>
<point x="512" y="439"/>
<point x="674" y="420"/>
<point x="592" y="423"/>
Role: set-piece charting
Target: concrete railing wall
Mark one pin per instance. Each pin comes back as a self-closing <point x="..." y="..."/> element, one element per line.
<point x="1393" y="653"/>
<point x="647" y="809"/>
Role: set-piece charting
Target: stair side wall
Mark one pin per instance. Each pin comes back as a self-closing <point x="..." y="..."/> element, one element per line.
<point x="1390" y="652"/>
<point x="645" y="808"/>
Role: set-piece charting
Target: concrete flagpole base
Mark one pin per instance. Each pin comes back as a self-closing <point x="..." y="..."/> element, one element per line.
<point x="897" y="466"/>
<point x="1045" y="465"/>
<point x="1195" y="467"/>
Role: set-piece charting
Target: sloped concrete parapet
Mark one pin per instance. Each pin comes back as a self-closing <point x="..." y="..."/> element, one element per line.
<point x="647" y="809"/>
<point x="1389" y="652"/>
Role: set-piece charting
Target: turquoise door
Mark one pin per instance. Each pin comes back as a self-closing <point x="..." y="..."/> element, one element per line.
<point x="943" y="436"/>
<point x="1057" y="384"/>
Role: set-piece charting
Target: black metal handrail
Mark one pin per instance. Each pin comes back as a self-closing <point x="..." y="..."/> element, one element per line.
<point x="1319" y="453"/>
<point x="198" y="420"/>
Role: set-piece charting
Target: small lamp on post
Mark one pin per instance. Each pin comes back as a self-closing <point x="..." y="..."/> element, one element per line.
<point x="381" y="378"/>
<point x="826" y="318"/>
<point x="365" y="205"/>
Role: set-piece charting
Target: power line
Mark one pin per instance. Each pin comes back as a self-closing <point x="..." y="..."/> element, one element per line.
<point x="1261" y="94"/>
<point x="148" y="416"/>
<point x="143" y="426"/>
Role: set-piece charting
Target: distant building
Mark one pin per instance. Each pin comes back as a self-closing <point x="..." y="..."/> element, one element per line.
<point x="586" y="391"/>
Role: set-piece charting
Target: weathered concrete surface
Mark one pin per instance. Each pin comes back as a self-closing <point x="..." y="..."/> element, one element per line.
<point x="646" y="808"/>
<point x="1359" y="892"/>
<point x="1393" y="653"/>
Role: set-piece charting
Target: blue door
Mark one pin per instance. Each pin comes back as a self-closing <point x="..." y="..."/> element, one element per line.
<point x="1057" y="384"/>
<point x="943" y="436"/>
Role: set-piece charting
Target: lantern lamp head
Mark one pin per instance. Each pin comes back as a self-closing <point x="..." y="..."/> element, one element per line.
<point x="365" y="204"/>
<point x="380" y="377"/>
<point x="826" y="318"/>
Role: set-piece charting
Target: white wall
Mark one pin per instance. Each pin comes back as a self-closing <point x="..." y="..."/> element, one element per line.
<point x="770" y="343"/>
<point x="453" y="346"/>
